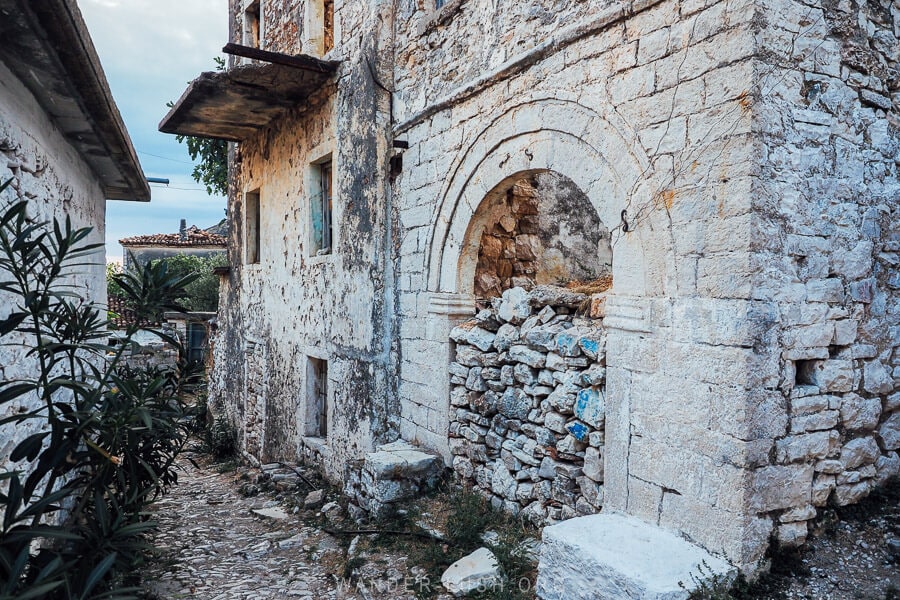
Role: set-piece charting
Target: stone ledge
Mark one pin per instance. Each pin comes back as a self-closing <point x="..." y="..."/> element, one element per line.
<point x="616" y="557"/>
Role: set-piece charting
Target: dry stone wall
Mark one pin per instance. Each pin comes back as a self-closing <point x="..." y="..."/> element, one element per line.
<point x="527" y="403"/>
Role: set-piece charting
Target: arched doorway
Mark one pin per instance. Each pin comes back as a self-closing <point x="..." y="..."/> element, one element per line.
<point x="528" y="383"/>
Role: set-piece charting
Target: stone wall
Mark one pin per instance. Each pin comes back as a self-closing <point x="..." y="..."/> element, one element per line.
<point x="293" y="306"/>
<point x="742" y="158"/>
<point x="527" y="403"/>
<point x="47" y="172"/>
<point x="828" y="200"/>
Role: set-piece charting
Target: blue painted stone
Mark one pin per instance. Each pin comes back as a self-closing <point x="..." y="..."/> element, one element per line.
<point x="590" y="347"/>
<point x="567" y="345"/>
<point x="590" y="407"/>
<point x="578" y="430"/>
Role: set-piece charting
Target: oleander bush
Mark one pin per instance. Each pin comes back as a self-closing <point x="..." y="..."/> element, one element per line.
<point x="73" y="493"/>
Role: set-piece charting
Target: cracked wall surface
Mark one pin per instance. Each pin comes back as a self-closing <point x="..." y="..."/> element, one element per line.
<point x="293" y="305"/>
<point x="48" y="173"/>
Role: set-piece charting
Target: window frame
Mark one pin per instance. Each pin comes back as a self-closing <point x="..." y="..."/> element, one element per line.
<point x="321" y="202"/>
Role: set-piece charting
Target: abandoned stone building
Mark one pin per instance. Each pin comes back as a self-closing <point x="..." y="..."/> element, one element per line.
<point x="65" y="149"/>
<point x="715" y="182"/>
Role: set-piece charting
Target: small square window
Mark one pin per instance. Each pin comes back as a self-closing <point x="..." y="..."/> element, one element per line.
<point x="439" y="3"/>
<point x="321" y="208"/>
<point x="252" y="228"/>
<point x="316" y="398"/>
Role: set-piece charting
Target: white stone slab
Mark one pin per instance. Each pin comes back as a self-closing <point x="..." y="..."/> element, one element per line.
<point x="477" y="570"/>
<point x="615" y="557"/>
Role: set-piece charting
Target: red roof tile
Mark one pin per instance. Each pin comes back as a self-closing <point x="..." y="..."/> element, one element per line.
<point x="193" y="236"/>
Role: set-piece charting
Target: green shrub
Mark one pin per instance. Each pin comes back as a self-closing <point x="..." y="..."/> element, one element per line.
<point x="73" y="510"/>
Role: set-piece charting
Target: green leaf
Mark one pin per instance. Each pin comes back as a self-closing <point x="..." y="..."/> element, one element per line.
<point x="98" y="573"/>
<point x="29" y="447"/>
<point x="11" y="391"/>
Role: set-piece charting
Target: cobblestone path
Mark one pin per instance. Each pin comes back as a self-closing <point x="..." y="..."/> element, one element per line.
<point x="214" y="547"/>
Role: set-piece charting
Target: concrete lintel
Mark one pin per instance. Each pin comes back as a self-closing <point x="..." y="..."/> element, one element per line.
<point x="616" y="557"/>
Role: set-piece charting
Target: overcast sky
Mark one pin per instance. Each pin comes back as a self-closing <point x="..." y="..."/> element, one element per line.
<point x="150" y="50"/>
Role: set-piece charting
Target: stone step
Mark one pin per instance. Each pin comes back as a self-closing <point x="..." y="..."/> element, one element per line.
<point x="395" y="472"/>
<point x="616" y="557"/>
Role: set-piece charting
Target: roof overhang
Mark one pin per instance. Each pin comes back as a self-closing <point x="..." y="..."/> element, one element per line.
<point x="234" y="104"/>
<point x="47" y="47"/>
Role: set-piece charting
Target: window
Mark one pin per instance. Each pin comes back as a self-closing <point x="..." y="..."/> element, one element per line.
<point x="252" y="24"/>
<point x="328" y="26"/>
<point x="316" y="397"/>
<point x="319" y="27"/>
<point x="251" y="228"/>
<point x="439" y="3"/>
<point x="321" y="209"/>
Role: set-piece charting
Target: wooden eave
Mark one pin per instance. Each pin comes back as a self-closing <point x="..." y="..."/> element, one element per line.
<point x="234" y="104"/>
<point x="46" y="45"/>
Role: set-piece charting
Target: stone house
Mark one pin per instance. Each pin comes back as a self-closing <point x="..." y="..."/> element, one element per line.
<point x="62" y="143"/>
<point x="190" y="241"/>
<point x="728" y="169"/>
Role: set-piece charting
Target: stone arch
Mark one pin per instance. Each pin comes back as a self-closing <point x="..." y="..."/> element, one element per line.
<point x="545" y="134"/>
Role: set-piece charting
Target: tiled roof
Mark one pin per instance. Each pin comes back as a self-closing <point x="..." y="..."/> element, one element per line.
<point x="193" y="236"/>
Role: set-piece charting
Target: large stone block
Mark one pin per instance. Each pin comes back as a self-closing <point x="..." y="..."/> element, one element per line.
<point x="614" y="557"/>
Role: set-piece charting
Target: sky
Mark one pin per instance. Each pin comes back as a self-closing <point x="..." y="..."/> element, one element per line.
<point x="150" y="50"/>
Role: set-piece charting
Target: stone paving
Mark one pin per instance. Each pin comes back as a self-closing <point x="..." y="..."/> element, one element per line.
<point x="214" y="547"/>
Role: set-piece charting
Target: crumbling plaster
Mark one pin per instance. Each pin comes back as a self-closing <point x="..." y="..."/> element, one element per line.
<point x="47" y="172"/>
<point x="291" y="305"/>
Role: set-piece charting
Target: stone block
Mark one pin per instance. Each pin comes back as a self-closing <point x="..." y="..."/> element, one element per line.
<point x="887" y="466"/>
<point x="858" y="413"/>
<point x="822" y="488"/>
<point x="852" y="493"/>
<point x="858" y="452"/>
<point x="832" y="375"/>
<point x="515" y="404"/>
<point x="506" y="336"/>
<point x="807" y="446"/>
<point x="814" y="422"/>
<point x="791" y="535"/>
<point x="889" y="432"/>
<point x="478" y="570"/>
<point x="614" y="557"/>
<point x="523" y="354"/>
<point x="590" y="407"/>
<point x="877" y="379"/>
<point x="780" y="487"/>
<point x="513" y="307"/>
<point x="593" y="464"/>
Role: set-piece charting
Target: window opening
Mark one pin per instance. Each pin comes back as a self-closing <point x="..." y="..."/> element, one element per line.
<point x="317" y="398"/>
<point x="252" y="241"/>
<point x="328" y="26"/>
<point x="252" y="25"/>
<point x="321" y="209"/>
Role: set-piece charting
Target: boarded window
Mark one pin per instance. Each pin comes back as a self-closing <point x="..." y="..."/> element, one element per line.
<point x="316" y="397"/>
<point x="321" y="209"/>
<point x="252" y="228"/>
